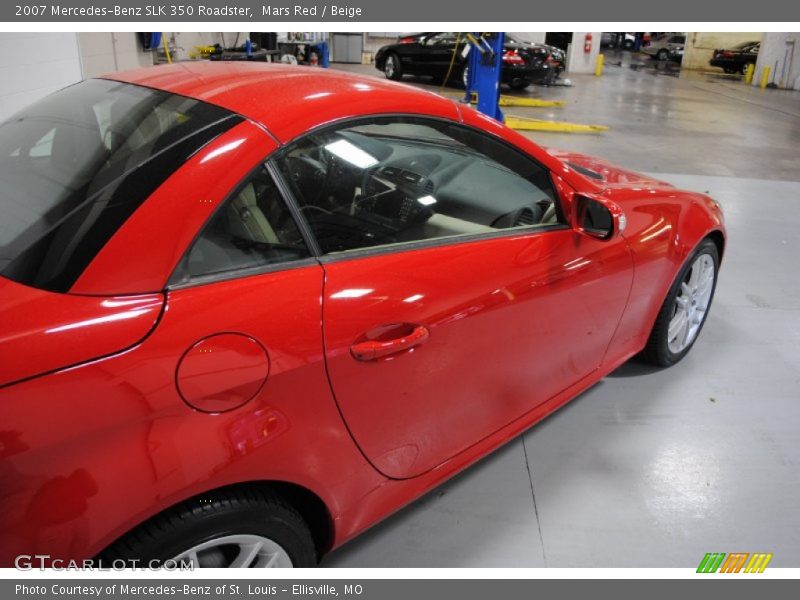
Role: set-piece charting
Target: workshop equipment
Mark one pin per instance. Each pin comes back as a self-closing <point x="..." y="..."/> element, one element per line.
<point x="485" y="63"/>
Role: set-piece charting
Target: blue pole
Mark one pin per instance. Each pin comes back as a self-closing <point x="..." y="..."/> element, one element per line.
<point x="485" y="68"/>
<point x="324" y="59"/>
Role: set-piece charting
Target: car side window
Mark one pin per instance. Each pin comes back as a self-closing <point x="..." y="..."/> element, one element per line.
<point x="442" y="39"/>
<point x="251" y="228"/>
<point x="397" y="180"/>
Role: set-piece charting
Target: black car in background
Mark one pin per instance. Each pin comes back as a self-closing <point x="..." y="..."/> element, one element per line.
<point x="432" y="53"/>
<point x="737" y="58"/>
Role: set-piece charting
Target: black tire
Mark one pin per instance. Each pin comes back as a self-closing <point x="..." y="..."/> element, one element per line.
<point x="657" y="350"/>
<point x="663" y="54"/>
<point x="743" y="68"/>
<point x="519" y="85"/>
<point x="730" y="70"/>
<point x="202" y="519"/>
<point x="627" y="45"/>
<point x="396" y="72"/>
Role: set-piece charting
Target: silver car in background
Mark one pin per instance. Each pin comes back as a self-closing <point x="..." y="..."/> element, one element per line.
<point x="666" y="47"/>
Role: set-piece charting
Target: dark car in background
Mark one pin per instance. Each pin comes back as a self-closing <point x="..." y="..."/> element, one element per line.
<point x="439" y="55"/>
<point x="737" y="58"/>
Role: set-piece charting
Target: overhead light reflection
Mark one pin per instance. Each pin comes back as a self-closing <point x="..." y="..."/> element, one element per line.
<point x="222" y="150"/>
<point x="352" y="293"/>
<point x="351" y="154"/>
<point x="99" y="320"/>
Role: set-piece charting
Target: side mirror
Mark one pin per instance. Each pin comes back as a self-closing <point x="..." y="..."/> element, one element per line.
<point x="601" y="219"/>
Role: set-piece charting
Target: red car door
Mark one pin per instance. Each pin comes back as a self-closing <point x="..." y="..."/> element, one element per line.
<point x="510" y="322"/>
<point x="456" y="297"/>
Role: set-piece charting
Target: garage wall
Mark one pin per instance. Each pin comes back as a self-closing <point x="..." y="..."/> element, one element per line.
<point x="781" y="52"/>
<point x="537" y="37"/>
<point x="106" y="52"/>
<point x="701" y="45"/>
<point x="111" y="52"/>
<point x="579" y="61"/>
<point x="373" y="41"/>
<point x="32" y="65"/>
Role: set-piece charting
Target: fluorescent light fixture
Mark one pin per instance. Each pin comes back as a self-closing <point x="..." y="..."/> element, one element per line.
<point x="352" y="293"/>
<point x="427" y="200"/>
<point x="352" y="154"/>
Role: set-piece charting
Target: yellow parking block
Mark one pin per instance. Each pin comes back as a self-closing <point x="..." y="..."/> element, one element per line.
<point x="526" y="124"/>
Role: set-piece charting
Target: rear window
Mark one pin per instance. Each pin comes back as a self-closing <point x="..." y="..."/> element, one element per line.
<point x="75" y="165"/>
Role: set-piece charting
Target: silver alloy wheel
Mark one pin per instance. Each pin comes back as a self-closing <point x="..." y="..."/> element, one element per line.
<point x="465" y="77"/>
<point x="663" y="55"/>
<point x="237" y="551"/>
<point x="389" y="66"/>
<point x="691" y="304"/>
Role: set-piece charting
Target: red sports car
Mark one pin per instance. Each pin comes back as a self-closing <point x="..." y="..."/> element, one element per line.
<point x="248" y="311"/>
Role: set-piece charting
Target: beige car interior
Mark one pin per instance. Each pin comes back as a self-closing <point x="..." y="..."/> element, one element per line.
<point x="247" y="220"/>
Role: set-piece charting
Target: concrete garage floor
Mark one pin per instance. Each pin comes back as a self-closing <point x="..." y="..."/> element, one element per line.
<point x="654" y="468"/>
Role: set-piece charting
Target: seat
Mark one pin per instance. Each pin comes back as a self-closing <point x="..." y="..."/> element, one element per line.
<point x="247" y="220"/>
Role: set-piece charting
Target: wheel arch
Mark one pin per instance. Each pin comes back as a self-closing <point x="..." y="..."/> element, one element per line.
<point x="718" y="238"/>
<point x="311" y="507"/>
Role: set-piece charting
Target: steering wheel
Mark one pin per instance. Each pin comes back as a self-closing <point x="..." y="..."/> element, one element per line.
<point x="308" y="173"/>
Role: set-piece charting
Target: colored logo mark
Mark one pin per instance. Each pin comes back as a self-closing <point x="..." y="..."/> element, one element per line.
<point x="737" y="562"/>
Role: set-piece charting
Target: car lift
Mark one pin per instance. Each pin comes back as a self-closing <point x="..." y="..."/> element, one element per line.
<point x="484" y="62"/>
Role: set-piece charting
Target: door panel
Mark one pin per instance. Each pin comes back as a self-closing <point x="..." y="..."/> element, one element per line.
<point x="438" y="53"/>
<point x="496" y="327"/>
<point x="410" y="57"/>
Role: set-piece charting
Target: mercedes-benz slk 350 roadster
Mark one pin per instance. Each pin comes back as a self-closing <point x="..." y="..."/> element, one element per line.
<point x="248" y="311"/>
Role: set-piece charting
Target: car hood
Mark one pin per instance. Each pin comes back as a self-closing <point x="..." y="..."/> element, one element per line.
<point x="44" y="331"/>
<point x="603" y="173"/>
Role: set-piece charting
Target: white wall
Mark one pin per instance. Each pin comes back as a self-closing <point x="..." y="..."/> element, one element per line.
<point x="106" y="52"/>
<point x="579" y="61"/>
<point x="33" y="65"/>
<point x="373" y="41"/>
<point x="111" y="52"/>
<point x="537" y="37"/>
<point x="781" y="52"/>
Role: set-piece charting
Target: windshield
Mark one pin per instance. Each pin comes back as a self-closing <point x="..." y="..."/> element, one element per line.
<point x="743" y="45"/>
<point x="75" y="165"/>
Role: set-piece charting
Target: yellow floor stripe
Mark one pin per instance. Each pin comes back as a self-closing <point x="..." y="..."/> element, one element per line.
<point x="514" y="101"/>
<point x="526" y="124"/>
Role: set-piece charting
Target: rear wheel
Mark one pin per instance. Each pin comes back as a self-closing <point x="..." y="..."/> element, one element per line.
<point x="237" y="529"/>
<point x="685" y="309"/>
<point x="519" y="85"/>
<point x="663" y="54"/>
<point x="743" y="69"/>
<point x="392" y="68"/>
